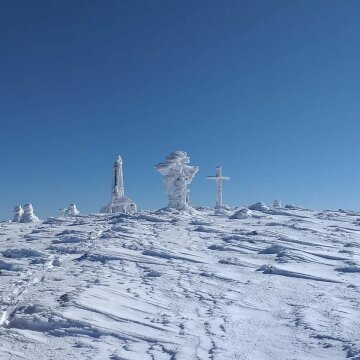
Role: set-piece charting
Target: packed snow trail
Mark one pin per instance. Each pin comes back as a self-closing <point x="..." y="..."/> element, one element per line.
<point x="280" y="284"/>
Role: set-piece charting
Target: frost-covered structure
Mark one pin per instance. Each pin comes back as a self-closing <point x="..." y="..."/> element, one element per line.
<point x="277" y="204"/>
<point x="28" y="216"/>
<point x="218" y="179"/>
<point x="119" y="202"/>
<point x="18" y="211"/>
<point x="71" y="211"/>
<point x="177" y="177"/>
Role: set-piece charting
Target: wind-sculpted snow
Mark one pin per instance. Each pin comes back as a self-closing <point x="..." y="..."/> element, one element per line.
<point x="279" y="284"/>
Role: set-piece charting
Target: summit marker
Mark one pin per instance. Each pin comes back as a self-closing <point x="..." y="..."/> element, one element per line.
<point x="219" y="179"/>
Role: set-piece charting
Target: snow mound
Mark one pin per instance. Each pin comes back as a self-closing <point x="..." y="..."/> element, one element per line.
<point x="9" y="266"/>
<point x="259" y="206"/>
<point x="243" y="213"/>
<point x="21" y="253"/>
<point x="71" y="211"/>
<point x="293" y="207"/>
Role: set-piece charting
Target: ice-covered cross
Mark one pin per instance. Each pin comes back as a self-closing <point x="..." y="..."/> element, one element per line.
<point x="219" y="179"/>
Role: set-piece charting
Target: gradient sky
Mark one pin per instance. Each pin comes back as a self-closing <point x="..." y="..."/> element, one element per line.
<point x="269" y="89"/>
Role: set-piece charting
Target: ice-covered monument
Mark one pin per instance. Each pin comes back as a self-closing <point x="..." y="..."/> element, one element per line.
<point x="119" y="202"/>
<point x="218" y="179"/>
<point x="177" y="177"/>
<point x="18" y="212"/>
<point x="28" y="215"/>
<point x="71" y="211"/>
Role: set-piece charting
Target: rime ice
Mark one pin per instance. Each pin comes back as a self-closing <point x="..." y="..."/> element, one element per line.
<point x="18" y="211"/>
<point x="119" y="202"/>
<point x="177" y="177"/>
<point x="28" y="216"/>
<point x="71" y="211"/>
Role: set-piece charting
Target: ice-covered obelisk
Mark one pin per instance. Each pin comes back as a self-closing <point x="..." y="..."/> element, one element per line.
<point x="119" y="202"/>
<point x="177" y="177"/>
<point x="218" y="179"/>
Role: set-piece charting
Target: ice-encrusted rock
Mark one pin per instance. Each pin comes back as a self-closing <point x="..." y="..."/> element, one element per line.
<point x="71" y="211"/>
<point x="243" y="213"/>
<point x="18" y="212"/>
<point x="177" y="177"/>
<point x="277" y="204"/>
<point x="259" y="206"/>
<point x="28" y="216"/>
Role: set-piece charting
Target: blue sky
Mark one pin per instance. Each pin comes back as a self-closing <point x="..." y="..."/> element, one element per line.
<point x="268" y="89"/>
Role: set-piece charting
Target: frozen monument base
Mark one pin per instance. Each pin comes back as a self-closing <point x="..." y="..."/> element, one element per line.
<point x="119" y="202"/>
<point x="177" y="176"/>
<point x="120" y="205"/>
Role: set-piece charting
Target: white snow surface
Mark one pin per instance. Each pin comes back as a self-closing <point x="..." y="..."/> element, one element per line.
<point x="179" y="285"/>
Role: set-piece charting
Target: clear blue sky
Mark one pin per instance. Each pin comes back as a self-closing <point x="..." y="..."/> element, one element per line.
<point x="269" y="89"/>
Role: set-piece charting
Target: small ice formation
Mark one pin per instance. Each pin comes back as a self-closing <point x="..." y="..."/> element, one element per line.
<point x="218" y="179"/>
<point x="119" y="202"/>
<point x="62" y="212"/>
<point x="177" y="177"/>
<point x="71" y="211"/>
<point x="28" y="216"/>
<point x="277" y="204"/>
<point x="243" y="213"/>
<point x="18" y="212"/>
<point x="259" y="206"/>
<point x="292" y="207"/>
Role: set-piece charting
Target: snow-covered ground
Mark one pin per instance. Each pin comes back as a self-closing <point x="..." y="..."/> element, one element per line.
<point x="272" y="284"/>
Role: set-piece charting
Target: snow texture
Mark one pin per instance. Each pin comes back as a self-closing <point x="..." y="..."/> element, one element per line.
<point x="177" y="177"/>
<point x="181" y="285"/>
